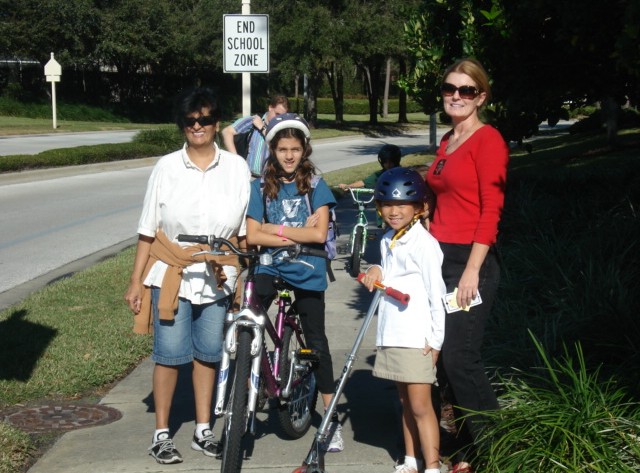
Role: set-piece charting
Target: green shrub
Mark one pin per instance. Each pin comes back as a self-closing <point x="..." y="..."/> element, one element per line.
<point x="559" y="419"/>
<point x="351" y="106"/>
<point x="65" y="111"/>
<point x="81" y="155"/>
<point x="166" y="137"/>
<point x="569" y="249"/>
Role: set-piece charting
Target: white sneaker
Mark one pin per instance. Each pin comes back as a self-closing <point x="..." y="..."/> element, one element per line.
<point x="335" y="443"/>
<point x="404" y="468"/>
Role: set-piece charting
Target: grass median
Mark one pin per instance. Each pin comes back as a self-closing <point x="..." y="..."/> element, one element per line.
<point x="570" y="266"/>
<point x="157" y="140"/>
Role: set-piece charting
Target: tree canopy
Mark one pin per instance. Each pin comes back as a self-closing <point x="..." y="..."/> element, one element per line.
<point x="541" y="54"/>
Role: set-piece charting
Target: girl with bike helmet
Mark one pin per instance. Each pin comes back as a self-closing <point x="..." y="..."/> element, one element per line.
<point x="278" y="215"/>
<point x="409" y="338"/>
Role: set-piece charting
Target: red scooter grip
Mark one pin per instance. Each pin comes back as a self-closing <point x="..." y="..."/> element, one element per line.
<point x="397" y="295"/>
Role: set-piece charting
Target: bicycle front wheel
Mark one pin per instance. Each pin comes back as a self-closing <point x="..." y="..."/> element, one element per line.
<point x="356" y="252"/>
<point x="295" y="415"/>
<point x="236" y="416"/>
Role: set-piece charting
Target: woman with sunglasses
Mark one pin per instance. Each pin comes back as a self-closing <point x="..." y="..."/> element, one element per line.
<point x="468" y="177"/>
<point x="182" y="299"/>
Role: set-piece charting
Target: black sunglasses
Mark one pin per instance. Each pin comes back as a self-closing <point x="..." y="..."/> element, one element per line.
<point x="466" y="92"/>
<point x="203" y="120"/>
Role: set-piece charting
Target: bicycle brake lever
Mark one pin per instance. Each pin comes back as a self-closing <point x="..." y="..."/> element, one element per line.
<point x="301" y="262"/>
<point x="212" y="252"/>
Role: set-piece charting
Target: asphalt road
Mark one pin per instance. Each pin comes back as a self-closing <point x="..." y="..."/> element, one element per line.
<point x="56" y="222"/>
<point x="34" y="144"/>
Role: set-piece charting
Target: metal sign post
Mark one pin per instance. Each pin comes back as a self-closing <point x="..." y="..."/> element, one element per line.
<point x="246" y="48"/>
<point x="52" y="72"/>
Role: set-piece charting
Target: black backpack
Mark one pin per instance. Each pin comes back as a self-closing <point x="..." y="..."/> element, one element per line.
<point x="241" y="142"/>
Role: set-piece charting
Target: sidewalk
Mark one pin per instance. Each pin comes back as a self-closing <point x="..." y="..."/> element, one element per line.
<point x="368" y="409"/>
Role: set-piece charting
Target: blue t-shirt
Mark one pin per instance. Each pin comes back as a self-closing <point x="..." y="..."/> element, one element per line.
<point x="291" y="209"/>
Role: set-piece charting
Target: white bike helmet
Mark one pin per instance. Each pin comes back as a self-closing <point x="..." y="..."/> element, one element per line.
<point x="287" y="120"/>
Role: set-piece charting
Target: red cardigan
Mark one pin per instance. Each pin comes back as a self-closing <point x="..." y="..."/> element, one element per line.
<point x="469" y="185"/>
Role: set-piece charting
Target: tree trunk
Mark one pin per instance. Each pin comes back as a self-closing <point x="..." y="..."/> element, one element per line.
<point x="372" y="94"/>
<point x="402" y="95"/>
<point x="339" y="105"/>
<point x="314" y="83"/>
<point x="610" y="113"/>
<point x="336" y="84"/>
<point x="433" y="129"/>
<point x="385" y="98"/>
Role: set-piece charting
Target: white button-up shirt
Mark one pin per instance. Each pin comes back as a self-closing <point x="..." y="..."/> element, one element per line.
<point x="412" y="266"/>
<point x="182" y="198"/>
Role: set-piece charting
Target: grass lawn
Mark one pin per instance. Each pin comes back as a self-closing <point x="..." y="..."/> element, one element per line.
<point x="35" y="126"/>
<point x="326" y="128"/>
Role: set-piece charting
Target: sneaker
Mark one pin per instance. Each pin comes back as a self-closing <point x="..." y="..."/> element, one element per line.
<point x="164" y="451"/>
<point x="335" y="443"/>
<point x="206" y="444"/>
<point x="404" y="469"/>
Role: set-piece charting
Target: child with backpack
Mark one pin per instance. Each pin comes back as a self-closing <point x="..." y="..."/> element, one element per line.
<point x="409" y="338"/>
<point x="278" y="215"/>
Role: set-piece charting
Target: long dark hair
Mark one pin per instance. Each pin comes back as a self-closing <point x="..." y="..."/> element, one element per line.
<point x="273" y="172"/>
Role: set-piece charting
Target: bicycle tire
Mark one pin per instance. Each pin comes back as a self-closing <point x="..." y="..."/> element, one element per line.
<point x="296" y="414"/>
<point x="236" y="420"/>
<point x="356" y="252"/>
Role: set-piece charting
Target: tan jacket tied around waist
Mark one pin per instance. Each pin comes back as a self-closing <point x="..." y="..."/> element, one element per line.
<point x="177" y="258"/>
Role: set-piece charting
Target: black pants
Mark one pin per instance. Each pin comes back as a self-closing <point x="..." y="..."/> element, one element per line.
<point x="310" y="306"/>
<point x="461" y="358"/>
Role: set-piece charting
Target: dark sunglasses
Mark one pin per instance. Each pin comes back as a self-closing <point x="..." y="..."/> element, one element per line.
<point x="203" y="120"/>
<point x="466" y="92"/>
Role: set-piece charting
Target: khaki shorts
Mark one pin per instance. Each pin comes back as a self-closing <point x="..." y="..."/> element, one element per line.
<point x="405" y="365"/>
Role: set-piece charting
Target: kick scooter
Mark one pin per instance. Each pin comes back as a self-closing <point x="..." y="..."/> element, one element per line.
<point x="314" y="462"/>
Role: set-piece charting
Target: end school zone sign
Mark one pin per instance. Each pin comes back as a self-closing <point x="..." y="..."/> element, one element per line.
<point x="246" y="43"/>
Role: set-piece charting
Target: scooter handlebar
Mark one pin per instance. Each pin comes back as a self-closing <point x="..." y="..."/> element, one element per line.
<point x="397" y="295"/>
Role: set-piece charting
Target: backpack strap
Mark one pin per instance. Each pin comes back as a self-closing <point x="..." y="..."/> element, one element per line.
<point x="264" y="200"/>
<point x="314" y="182"/>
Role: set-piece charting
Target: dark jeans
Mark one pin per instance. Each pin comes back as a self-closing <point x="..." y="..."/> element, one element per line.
<point x="310" y="306"/>
<point x="461" y="358"/>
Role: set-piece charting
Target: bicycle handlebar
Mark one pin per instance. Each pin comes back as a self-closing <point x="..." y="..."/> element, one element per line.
<point x="356" y="191"/>
<point x="215" y="243"/>
<point x="361" y="190"/>
<point x="202" y="239"/>
<point x="397" y="295"/>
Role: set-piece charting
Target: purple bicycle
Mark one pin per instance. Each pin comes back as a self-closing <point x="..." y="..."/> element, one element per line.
<point x="283" y="375"/>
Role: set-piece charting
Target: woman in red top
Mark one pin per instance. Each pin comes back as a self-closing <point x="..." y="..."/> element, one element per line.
<point x="468" y="177"/>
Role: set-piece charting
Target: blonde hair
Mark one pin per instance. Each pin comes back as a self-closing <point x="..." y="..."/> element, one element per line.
<point x="473" y="69"/>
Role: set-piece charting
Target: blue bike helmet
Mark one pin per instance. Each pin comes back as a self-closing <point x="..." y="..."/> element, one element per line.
<point x="287" y="120"/>
<point x="401" y="184"/>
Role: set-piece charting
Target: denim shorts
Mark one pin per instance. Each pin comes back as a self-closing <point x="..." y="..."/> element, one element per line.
<point x="195" y="332"/>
